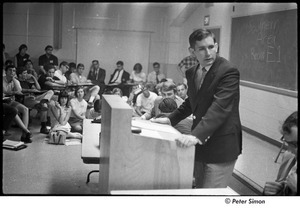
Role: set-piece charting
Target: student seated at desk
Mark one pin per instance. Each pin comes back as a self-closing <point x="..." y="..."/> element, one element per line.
<point x="38" y="102"/>
<point x="47" y="81"/>
<point x="79" y="108"/>
<point x="12" y="87"/>
<point x="90" y="92"/>
<point x="60" y="113"/>
<point x="286" y="182"/>
<point x="10" y="114"/>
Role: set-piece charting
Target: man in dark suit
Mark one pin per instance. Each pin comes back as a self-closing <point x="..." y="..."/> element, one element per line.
<point x="97" y="76"/>
<point x="213" y="99"/>
<point x="119" y="78"/>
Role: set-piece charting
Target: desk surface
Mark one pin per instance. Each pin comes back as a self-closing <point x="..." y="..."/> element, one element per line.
<point x="90" y="149"/>
<point x="200" y="192"/>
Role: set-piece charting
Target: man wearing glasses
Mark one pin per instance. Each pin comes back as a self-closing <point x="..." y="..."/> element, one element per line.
<point x="59" y="75"/>
<point x="286" y="182"/>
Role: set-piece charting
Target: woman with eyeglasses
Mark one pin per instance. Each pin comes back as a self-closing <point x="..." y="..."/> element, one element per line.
<point x="286" y="182"/>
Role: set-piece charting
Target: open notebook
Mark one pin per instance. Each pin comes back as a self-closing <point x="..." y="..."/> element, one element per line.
<point x="13" y="145"/>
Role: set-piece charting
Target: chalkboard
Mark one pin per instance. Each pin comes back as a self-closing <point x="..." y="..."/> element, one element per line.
<point x="264" y="48"/>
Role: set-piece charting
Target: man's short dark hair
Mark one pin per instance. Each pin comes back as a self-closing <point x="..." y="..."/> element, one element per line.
<point x="291" y="120"/>
<point x="168" y="86"/>
<point x="48" y="67"/>
<point x="28" y="60"/>
<point x="156" y="64"/>
<point x="48" y="47"/>
<point x="80" y="65"/>
<point x="20" y="70"/>
<point x="120" y="63"/>
<point x="199" y="35"/>
<point x="22" y="47"/>
<point x="9" y="62"/>
<point x="72" y="65"/>
<point x="10" y="66"/>
<point x="63" y="63"/>
<point x="95" y="61"/>
<point x="167" y="105"/>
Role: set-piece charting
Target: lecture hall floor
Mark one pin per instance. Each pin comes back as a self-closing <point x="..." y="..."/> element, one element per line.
<point x="44" y="169"/>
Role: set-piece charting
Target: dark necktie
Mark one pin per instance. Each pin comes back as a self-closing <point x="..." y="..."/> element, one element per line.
<point x="96" y="74"/>
<point x="157" y="80"/>
<point x="200" y="74"/>
<point x="116" y="77"/>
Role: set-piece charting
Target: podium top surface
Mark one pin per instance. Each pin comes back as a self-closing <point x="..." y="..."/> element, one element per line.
<point x="116" y="102"/>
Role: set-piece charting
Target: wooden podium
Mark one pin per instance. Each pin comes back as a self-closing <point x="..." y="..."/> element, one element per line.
<point x="144" y="161"/>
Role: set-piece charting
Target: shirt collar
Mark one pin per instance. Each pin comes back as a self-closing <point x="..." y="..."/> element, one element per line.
<point x="206" y="68"/>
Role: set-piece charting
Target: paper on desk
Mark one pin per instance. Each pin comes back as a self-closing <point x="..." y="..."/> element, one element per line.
<point x="154" y="126"/>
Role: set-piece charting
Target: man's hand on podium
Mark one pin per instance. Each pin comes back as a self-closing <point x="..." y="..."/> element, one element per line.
<point x="186" y="141"/>
<point x="164" y="120"/>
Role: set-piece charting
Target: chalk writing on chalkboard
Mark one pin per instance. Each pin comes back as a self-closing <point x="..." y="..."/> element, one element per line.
<point x="264" y="48"/>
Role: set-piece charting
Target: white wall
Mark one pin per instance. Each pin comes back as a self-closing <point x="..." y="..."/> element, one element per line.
<point x="260" y="110"/>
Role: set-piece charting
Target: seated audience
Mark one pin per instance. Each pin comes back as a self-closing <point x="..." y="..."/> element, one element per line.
<point x="48" y="81"/>
<point x="118" y="91"/>
<point x="10" y="114"/>
<point x="59" y="74"/>
<point x="21" y="57"/>
<point x="72" y="69"/>
<point x="90" y="92"/>
<point x="79" y="108"/>
<point x="95" y="112"/>
<point x="47" y="58"/>
<point x="134" y="92"/>
<point x="12" y="87"/>
<point x="30" y="69"/>
<point x="155" y="76"/>
<point x="137" y="76"/>
<point x="286" y="181"/>
<point x="60" y="113"/>
<point x="38" y="102"/>
<point x="97" y="76"/>
<point x="168" y="89"/>
<point x="119" y="78"/>
<point x="145" y="101"/>
<point x="182" y="90"/>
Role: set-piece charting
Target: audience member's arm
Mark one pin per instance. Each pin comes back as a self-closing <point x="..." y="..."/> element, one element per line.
<point x="75" y="111"/>
<point x="64" y="117"/>
<point x="17" y="86"/>
<point x="36" y="83"/>
<point x="42" y="69"/>
<point x="138" y="110"/>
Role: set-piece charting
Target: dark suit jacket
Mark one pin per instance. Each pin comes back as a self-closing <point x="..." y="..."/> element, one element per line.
<point x="124" y="79"/>
<point x="216" y="112"/>
<point x="101" y="77"/>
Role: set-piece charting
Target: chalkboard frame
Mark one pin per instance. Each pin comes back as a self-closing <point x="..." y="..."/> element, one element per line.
<point x="270" y="88"/>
